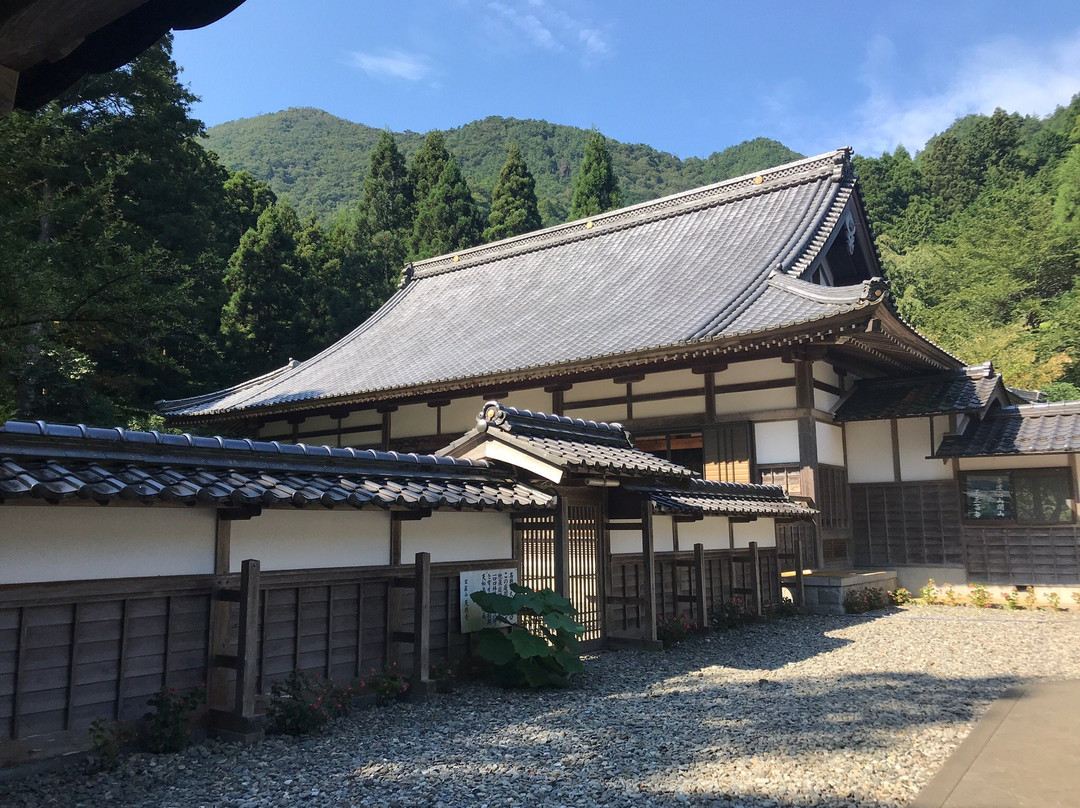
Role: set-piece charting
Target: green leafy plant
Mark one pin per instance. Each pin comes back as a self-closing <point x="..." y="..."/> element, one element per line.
<point x="108" y="739"/>
<point x="443" y="673"/>
<point x="1054" y="599"/>
<point x="541" y="648"/>
<point x="1012" y="599"/>
<point x="386" y="684"/>
<point x="785" y="608"/>
<point x="860" y="601"/>
<point x="673" y="630"/>
<point x="1030" y="600"/>
<point x="302" y="704"/>
<point x="951" y="598"/>
<point x="167" y="727"/>
<point x="732" y="614"/>
<point x="978" y="595"/>
<point x="1076" y="597"/>
<point x="929" y="593"/>
<point x="899" y="596"/>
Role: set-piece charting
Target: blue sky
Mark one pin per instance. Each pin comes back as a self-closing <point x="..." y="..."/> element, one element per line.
<point x="687" y="78"/>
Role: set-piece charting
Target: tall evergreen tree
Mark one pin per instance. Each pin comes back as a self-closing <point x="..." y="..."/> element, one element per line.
<point x="427" y="165"/>
<point x="514" y="209"/>
<point x="447" y="219"/>
<point x="262" y="321"/>
<point x="596" y="188"/>
<point x="386" y="208"/>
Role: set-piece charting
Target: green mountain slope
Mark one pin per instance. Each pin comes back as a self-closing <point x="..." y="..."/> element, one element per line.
<point x="318" y="160"/>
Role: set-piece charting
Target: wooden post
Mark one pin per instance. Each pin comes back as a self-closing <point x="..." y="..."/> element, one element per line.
<point x="217" y="685"/>
<point x="808" y="456"/>
<point x="247" y="644"/>
<point x="649" y="563"/>
<point x="422" y="624"/>
<point x="699" y="585"/>
<point x="562" y="548"/>
<point x="755" y="578"/>
<point x="800" y="586"/>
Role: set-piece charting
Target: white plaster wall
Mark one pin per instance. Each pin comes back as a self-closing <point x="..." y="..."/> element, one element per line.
<point x="830" y="444"/>
<point x="684" y="405"/>
<point x="762" y="530"/>
<point x="534" y="399"/>
<point x="626" y="541"/>
<point x="869" y="452"/>
<point x="65" y="543"/>
<point x="311" y="539"/>
<point x="670" y="380"/>
<point x="776" y="442"/>
<point x="663" y="534"/>
<point x="458" y="536"/>
<point x="1022" y="462"/>
<point x="614" y="414"/>
<point x="586" y="391"/>
<point x="712" y="531"/>
<point x="413" y="420"/>
<point x="824" y="372"/>
<point x="459" y="416"/>
<point x="319" y="423"/>
<point x="913" y="436"/>
<point x="825" y="401"/>
<point x="278" y="430"/>
<point x="758" y="370"/>
<point x="361" y="418"/>
<point x="779" y="398"/>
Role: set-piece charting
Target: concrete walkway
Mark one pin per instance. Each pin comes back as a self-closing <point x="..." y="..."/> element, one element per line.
<point x="1024" y="752"/>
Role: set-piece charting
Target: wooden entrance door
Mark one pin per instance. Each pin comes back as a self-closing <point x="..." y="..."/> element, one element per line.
<point x="565" y="552"/>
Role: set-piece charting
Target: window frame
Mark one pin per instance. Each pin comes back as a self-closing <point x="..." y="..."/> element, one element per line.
<point x="1034" y="471"/>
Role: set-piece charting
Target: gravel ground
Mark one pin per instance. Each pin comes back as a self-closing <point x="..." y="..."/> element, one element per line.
<point x="830" y="711"/>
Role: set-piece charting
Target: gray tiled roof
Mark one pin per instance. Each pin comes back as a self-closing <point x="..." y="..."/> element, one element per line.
<point x="1022" y="429"/>
<point x="707" y="498"/>
<point x="964" y="390"/>
<point x="55" y="462"/>
<point x="708" y="264"/>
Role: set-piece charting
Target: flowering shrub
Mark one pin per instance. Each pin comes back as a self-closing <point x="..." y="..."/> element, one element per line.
<point x="978" y="596"/>
<point x="785" y="608"/>
<point x="1029" y="598"/>
<point x="950" y="596"/>
<point x="1054" y="599"/>
<point x="898" y="596"/>
<point x="859" y="601"/>
<point x="929" y="593"/>
<point x="386" y="684"/>
<point x="168" y="723"/>
<point x="730" y="615"/>
<point x="108" y="738"/>
<point x="673" y="630"/>
<point x="304" y="703"/>
<point x="1076" y="597"/>
<point x="1012" y="599"/>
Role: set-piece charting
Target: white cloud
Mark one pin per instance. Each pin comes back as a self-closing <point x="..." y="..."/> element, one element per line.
<point x="545" y="26"/>
<point x="1006" y="72"/>
<point x="391" y="64"/>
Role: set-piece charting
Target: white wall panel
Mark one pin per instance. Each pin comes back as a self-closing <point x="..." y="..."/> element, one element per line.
<point x="825" y="401"/>
<point x="763" y="531"/>
<point x="670" y="380"/>
<point x="758" y="370"/>
<point x="684" y="405"/>
<point x="712" y="531"/>
<point x="587" y="391"/>
<point x="361" y="418"/>
<point x="625" y="541"/>
<point x="869" y="451"/>
<point x="1021" y="462"/>
<point x="752" y="401"/>
<point x="412" y="420"/>
<point x="535" y="400"/>
<point x="823" y="372"/>
<point x="458" y="536"/>
<point x="913" y="437"/>
<point x="319" y="423"/>
<point x="830" y="444"/>
<point x="459" y="416"/>
<point x="612" y="414"/>
<point x="310" y="539"/>
<point x="59" y="543"/>
<point x="776" y="442"/>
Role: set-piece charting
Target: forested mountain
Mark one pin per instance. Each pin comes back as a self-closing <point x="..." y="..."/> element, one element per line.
<point x="318" y="161"/>
<point x="980" y="236"/>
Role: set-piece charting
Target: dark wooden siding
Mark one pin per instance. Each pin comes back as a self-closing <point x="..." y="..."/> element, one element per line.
<point x="674" y="580"/>
<point x="786" y="533"/>
<point x="1023" y="554"/>
<point x="785" y="476"/>
<point x="906" y="523"/>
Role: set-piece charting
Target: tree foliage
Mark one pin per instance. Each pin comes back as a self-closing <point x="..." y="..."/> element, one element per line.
<point x="596" y="188"/>
<point x="514" y="208"/>
<point x="447" y="218"/>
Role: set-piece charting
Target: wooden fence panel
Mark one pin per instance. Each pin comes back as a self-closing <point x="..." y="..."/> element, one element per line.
<point x="1023" y="554"/>
<point x="906" y="523"/>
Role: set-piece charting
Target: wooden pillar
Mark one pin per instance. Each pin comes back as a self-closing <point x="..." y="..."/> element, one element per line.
<point x="247" y="644"/>
<point x="562" y="547"/>
<point x="808" y="455"/>
<point x="648" y="559"/>
<point x="217" y="685"/>
<point x="755" y="579"/>
<point x="699" y="585"/>
<point x="800" y="586"/>
<point x="422" y="623"/>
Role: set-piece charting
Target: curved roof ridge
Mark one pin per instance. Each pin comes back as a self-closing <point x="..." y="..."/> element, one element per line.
<point x="835" y="163"/>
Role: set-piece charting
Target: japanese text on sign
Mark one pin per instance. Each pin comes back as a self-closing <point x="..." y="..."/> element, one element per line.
<point x="473" y="618"/>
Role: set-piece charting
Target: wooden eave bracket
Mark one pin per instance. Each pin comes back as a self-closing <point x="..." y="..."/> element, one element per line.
<point x="742" y="519"/>
<point x="410" y="515"/>
<point x="240" y="514"/>
<point x="689" y="517"/>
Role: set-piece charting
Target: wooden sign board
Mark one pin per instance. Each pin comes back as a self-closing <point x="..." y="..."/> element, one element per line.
<point x="497" y="581"/>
